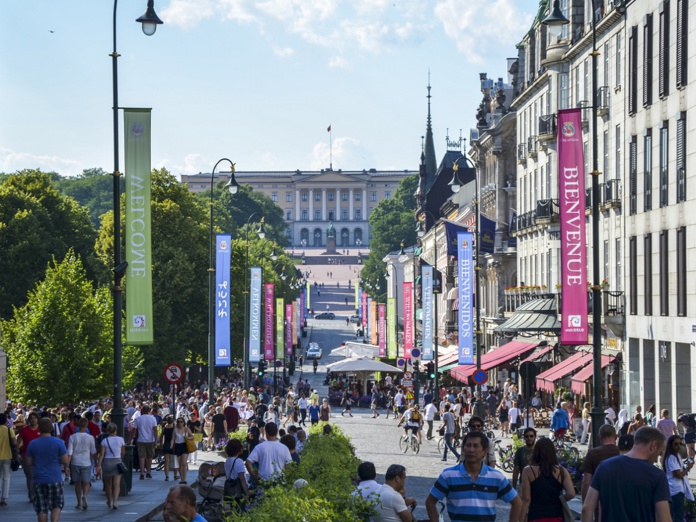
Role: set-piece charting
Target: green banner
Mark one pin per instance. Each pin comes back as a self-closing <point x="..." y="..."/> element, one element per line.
<point x="357" y="297"/>
<point x="308" y="304"/>
<point x="139" y="327"/>
<point x="280" y="329"/>
<point x="391" y="328"/>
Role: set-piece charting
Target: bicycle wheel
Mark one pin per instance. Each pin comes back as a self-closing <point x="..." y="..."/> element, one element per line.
<point x="415" y="445"/>
<point x="403" y="444"/>
<point x="507" y="461"/>
<point x="441" y="445"/>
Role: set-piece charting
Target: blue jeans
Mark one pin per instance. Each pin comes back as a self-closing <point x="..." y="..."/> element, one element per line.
<point x="448" y="444"/>
<point x="677" y="507"/>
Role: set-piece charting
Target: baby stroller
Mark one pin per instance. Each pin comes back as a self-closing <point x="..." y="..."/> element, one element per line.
<point x="211" y="486"/>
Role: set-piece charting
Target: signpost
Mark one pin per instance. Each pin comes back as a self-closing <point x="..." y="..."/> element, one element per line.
<point x="479" y="377"/>
<point x="173" y="373"/>
<point x="407" y="380"/>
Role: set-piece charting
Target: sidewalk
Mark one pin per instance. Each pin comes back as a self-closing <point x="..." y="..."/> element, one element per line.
<point x="144" y="502"/>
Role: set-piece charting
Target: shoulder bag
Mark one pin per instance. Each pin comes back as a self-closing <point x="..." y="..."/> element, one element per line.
<point x="233" y="486"/>
<point x="14" y="463"/>
<point x="120" y="466"/>
<point x="191" y="446"/>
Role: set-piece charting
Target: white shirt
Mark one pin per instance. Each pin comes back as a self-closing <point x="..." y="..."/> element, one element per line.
<point x="368" y="489"/>
<point x="81" y="448"/>
<point x="514" y="413"/>
<point x="271" y="456"/>
<point x="146" y="424"/>
<point x="430" y="411"/>
<point x="676" y="486"/>
<point x="399" y="399"/>
<point x="391" y="503"/>
<point x="113" y="445"/>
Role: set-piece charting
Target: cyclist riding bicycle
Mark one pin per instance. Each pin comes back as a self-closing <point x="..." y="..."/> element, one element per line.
<point x="412" y="420"/>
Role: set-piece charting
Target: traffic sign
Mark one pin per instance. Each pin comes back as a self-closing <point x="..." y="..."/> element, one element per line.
<point x="407" y="380"/>
<point x="479" y="377"/>
<point x="173" y="373"/>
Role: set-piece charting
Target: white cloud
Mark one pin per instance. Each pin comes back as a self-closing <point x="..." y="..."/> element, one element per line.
<point x="187" y="13"/>
<point x="475" y="25"/>
<point x="13" y="161"/>
<point x="338" y="62"/>
<point x="348" y="154"/>
<point x="283" y="52"/>
<point x="191" y="164"/>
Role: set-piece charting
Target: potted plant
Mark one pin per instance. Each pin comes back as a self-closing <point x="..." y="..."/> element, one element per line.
<point x="605" y="284"/>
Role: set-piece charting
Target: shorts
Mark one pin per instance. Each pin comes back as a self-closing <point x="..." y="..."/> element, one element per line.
<point x="690" y="437"/>
<point x="315" y="421"/>
<point x="180" y="449"/>
<point x="401" y="409"/>
<point x="414" y="429"/>
<point x="560" y="432"/>
<point x="80" y="473"/>
<point x="110" y="468"/>
<point x="48" y="497"/>
<point x="146" y="450"/>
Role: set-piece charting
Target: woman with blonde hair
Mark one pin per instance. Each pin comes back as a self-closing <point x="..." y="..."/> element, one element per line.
<point x="111" y="453"/>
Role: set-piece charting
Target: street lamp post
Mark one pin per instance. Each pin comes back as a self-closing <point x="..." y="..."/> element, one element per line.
<point x="555" y="21"/>
<point x="420" y="231"/>
<point x="149" y="21"/>
<point x="262" y="233"/>
<point x="232" y="186"/>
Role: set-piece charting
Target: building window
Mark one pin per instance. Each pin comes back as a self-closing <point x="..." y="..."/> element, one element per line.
<point x="681" y="272"/>
<point x="647" y="60"/>
<point x="317" y="195"/>
<point x="344" y="215"/>
<point x="663" y="72"/>
<point x="605" y="167"/>
<point x="331" y="215"/>
<point x="317" y="215"/>
<point x="633" y="70"/>
<point x="304" y="215"/>
<point x="344" y="196"/>
<point x="682" y="40"/>
<point x="664" y="163"/>
<point x="288" y="197"/>
<point x="358" y="195"/>
<point x="288" y="215"/>
<point x="647" y="275"/>
<point x="647" y="170"/>
<point x="332" y="196"/>
<point x="606" y="260"/>
<point x="619" y="273"/>
<point x="618" y="59"/>
<point x="633" y="176"/>
<point x="358" y="214"/>
<point x="633" y="274"/>
<point x="387" y="194"/>
<point x="304" y="196"/>
<point x="274" y="197"/>
<point x="681" y="157"/>
<point x="373" y="196"/>
<point x="617" y="153"/>
<point x="664" y="273"/>
<point x="562" y="91"/>
<point x="606" y="64"/>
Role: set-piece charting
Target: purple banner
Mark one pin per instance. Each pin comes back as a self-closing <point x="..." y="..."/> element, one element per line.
<point x="223" y="255"/>
<point x="465" y="271"/>
<point x="302" y="309"/>
<point x="288" y="329"/>
<point x="382" y="328"/>
<point x="408" y="319"/>
<point x="571" y="203"/>
<point x="364" y="309"/>
<point x="268" y="304"/>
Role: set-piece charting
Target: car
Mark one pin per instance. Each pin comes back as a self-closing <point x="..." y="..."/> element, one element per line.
<point x="314" y="352"/>
<point x="325" y="315"/>
<point x="355" y="319"/>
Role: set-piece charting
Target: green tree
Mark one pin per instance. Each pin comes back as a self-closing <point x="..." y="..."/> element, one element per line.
<point x="37" y="223"/>
<point x="59" y="343"/>
<point x="92" y="189"/>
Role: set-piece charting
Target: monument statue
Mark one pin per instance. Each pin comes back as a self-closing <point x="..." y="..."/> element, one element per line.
<point x="331" y="231"/>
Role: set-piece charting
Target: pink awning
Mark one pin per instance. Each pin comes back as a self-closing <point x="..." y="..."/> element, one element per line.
<point x="546" y="379"/>
<point x="577" y="382"/>
<point x="539" y="353"/>
<point x="446" y="360"/>
<point x="493" y="358"/>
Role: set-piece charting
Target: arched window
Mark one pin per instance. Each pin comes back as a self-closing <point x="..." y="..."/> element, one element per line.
<point x="358" y="235"/>
<point x="345" y="235"/>
<point x="317" y="237"/>
<point x="304" y="236"/>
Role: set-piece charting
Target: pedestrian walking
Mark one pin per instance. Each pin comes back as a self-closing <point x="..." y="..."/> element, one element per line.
<point x="81" y="452"/>
<point x="146" y="428"/>
<point x="7" y="444"/>
<point x="523" y="455"/>
<point x="666" y="425"/>
<point x="448" y="425"/>
<point x="607" y="449"/>
<point x="47" y="456"/>
<point x="677" y="471"/>
<point x="111" y="453"/>
<point x="26" y="435"/>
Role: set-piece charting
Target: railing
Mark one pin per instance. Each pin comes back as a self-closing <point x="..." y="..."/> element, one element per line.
<point x="585" y="113"/>
<point x="532" y="146"/>
<point x="588" y="198"/>
<point x="603" y="100"/>
<point x="548" y="125"/>
<point x="546" y="209"/>
<point x="516" y="298"/>
<point x="521" y="153"/>
<point x="614" y="303"/>
<point x="526" y="220"/>
<point x="612" y="192"/>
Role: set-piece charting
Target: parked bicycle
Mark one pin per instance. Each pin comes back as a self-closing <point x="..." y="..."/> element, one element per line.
<point x="506" y="456"/>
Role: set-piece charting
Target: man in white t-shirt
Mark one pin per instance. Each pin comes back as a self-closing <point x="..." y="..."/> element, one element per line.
<point x="514" y="415"/>
<point x="82" y="451"/>
<point x="146" y="428"/>
<point x="393" y="505"/>
<point x="271" y="456"/>
<point x="399" y="401"/>
<point x="430" y="411"/>
<point x="368" y="486"/>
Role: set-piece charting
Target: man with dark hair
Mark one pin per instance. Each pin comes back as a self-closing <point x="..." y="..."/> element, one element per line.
<point x="46" y="455"/>
<point x="368" y="486"/>
<point x="271" y="456"/>
<point x="473" y="488"/>
<point x="607" y="449"/>
<point x="631" y="487"/>
<point x="81" y="452"/>
<point x="27" y="434"/>
<point x="393" y="503"/>
<point x="523" y="454"/>
<point x="181" y="505"/>
<point x="448" y="424"/>
<point x="145" y="425"/>
<point x="476" y="424"/>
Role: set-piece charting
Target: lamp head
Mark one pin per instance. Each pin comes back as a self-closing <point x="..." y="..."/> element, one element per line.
<point x="274" y="256"/>
<point x="555" y="21"/>
<point x="262" y="229"/>
<point x="455" y="184"/>
<point x="149" y="19"/>
<point x="232" y="184"/>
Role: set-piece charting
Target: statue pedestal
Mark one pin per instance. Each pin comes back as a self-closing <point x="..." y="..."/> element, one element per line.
<point x="330" y="245"/>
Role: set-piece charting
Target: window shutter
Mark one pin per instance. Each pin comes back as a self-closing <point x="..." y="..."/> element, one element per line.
<point x="647" y="60"/>
<point x="682" y="40"/>
<point x="663" y="78"/>
<point x="633" y="175"/>
<point x="632" y="70"/>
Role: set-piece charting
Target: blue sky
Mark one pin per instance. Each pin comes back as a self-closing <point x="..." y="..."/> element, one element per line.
<point x="257" y="81"/>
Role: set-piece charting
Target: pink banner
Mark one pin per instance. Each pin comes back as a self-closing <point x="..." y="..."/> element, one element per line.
<point x="571" y="202"/>
<point x="382" y="329"/>
<point x="373" y="323"/>
<point x="364" y="309"/>
<point x="288" y="329"/>
<point x="268" y="304"/>
<point x="408" y="319"/>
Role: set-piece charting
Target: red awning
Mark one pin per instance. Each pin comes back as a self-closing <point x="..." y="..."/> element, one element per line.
<point x="538" y="353"/>
<point x="493" y="359"/>
<point x="546" y="379"/>
<point x="577" y="382"/>
<point x="446" y="360"/>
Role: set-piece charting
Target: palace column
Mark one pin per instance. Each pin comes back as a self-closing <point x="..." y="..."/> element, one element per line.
<point x="311" y="204"/>
<point x="350" y="205"/>
<point x="323" y="204"/>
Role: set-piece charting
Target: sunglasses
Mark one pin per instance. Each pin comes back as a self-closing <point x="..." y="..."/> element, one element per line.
<point x="476" y="426"/>
<point x="530" y="436"/>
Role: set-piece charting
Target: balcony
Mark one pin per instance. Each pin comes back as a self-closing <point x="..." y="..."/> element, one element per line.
<point x="518" y="296"/>
<point x="521" y="153"/>
<point x="585" y="113"/>
<point x="611" y="194"/>
<point x="532" y="146"/>
<point x="548" y="125"/>
<point x="603" y="101"/>
<point x="588" y="200"/>
<point x="523" y="222"/>
<point x="546" y="211"/>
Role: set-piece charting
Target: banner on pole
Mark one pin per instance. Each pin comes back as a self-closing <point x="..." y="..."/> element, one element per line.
<point x="373" y="322"/>
<point x="303" y="310"/>
<point x="280" y="330"/>
<point x="357" y="296"/>
<point x="364" y="309"/>
<point x="295" y="320"/>
<point x="392" y="348"/>
<point x="139" y="320"/>
<point x="308" y="296"/>
<point x="255" y="315"/>
<point x="288" y="329"/>
<point x="382" y="328"/>
<point x="268" y="304"/>
<point x="427" y="312"/>
<point x="571" y="203"/>
<point x="465" y="266"/>
<point x="408" y="318"/>
<point x="223" y="253"/>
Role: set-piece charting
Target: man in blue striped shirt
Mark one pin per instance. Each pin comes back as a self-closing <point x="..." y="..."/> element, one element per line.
<point x="471" y="487"/>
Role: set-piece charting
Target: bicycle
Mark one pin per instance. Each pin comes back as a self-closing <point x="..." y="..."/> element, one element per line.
<point x="564" y="450"/>
<point x="456" y="441"/>
<point x="506" y="456"/>
<point x="407" y="441"/>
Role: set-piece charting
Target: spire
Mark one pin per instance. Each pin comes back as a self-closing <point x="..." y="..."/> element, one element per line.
<point x="430" y="160"/>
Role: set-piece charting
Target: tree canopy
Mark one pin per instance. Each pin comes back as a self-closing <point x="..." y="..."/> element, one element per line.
<point x="93" y="189"/>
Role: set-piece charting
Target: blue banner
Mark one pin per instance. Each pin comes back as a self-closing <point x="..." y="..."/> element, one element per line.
<point x="427" y="313"/>
<point x="452" y="230"/>
<point x="360" y="308"/>
<point x="487" y="235"/>
<point x="223" y="299"/>
<point x="255" y="315"/>
<point x="465" y="270"/>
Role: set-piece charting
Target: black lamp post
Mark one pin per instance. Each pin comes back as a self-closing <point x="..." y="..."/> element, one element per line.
<point x="232" y="186"/>
<point x="420" y="231"/>
<point x="555" y="22"/>
<point x="149" y="21"/>
<point x="262" y="233"/>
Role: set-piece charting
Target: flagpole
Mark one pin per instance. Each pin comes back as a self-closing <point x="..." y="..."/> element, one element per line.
<point x="330" y="148"/>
